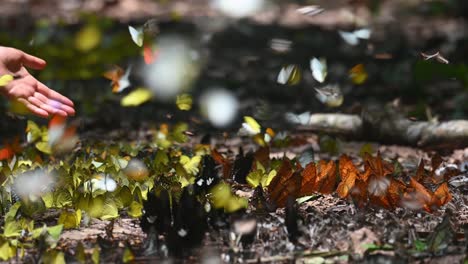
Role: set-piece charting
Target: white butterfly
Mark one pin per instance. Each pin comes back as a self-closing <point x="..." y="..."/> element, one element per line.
<point x="137" y="35"/>
<point x="319" y="69"/>
<point x="300" y="119"/>
<point x="310" y="10"/>
<point x="330" y="95"/>
<point x="352" y="38"/>
<point x="102" y="182"/>
<point x="306" y="157"/>
<point x="285" y="76"/>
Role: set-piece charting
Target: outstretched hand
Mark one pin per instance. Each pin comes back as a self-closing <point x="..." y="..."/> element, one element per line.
<point x="37" y="97"/>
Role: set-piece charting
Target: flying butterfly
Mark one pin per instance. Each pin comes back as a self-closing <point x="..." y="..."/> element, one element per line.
<point x="353" y="38"/>
<point x="119" y="78"/>
<point x="319" y="69"/>
<point x="290" y="75"/>
<point x="137" y="35"/>
<point x="436" y="55"/>
<point x="10" y="149"/>
<point x="310" y="10"/>
<point x="358" y="74"/>
<point x="298" y="119"/>
<point x="330" y="95"/>
<point x="150" y="53"/>
<point x="62" y="137"/>
<point x="252" y="128"/>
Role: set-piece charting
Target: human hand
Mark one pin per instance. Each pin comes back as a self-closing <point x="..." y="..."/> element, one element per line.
<point x="37" y="97"/>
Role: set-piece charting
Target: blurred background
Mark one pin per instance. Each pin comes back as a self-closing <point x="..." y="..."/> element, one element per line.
<point x="224" y="59"/>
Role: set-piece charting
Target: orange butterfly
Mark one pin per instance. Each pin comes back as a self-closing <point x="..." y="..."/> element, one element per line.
<point x="349" y="174"/>
<point x="286" y="183"/>
<point x="10" y="150"/>
<point x="61" y="138"/>
<point x="219" y="159"/>
<point x="149" y="54"/>
<point x="420" y="197"/>
<point x="119" y="78"/>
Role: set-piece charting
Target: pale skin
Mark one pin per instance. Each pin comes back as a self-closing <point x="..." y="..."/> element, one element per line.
<point x="37" y="97"/>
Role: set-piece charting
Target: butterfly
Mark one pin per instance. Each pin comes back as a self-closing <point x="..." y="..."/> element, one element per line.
<point x="290" y="74"/>
<point x="436" y="55"/>
<point x="62" y="138"/>
<point x="319" y="69"/>
<point x="150" y="29"/>
<point x="299" y="119"/>
<point x="352" y="38"/>
<point x="358" y="74"/>
<point x="150" y="53"/>
<point x="330" y="95"/>
<point x="10" y="149"/>
<point x="119" y="78"/>
<point x="137" y="35"/>
<point x="310" y="10"/>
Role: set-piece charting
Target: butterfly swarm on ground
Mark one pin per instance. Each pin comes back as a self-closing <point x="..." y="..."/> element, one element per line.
<point x="377" y="185"/>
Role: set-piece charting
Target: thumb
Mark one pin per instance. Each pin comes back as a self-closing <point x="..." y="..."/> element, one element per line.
<point x="33" y="62"/>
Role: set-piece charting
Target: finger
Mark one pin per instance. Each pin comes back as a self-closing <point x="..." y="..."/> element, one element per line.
<point x="69" y="111"/>
<point x="60" y="108"/>
<point x="34" y="109"/>
<point x="51" y="94"/>
<point x="49" y="109"/>
<point x="33" y="62"/>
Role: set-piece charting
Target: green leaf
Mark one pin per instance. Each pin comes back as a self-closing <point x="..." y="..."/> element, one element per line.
<point x="70" y="219"/>
<point x="137" y="97"/>
<point x="420" y="245"/>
